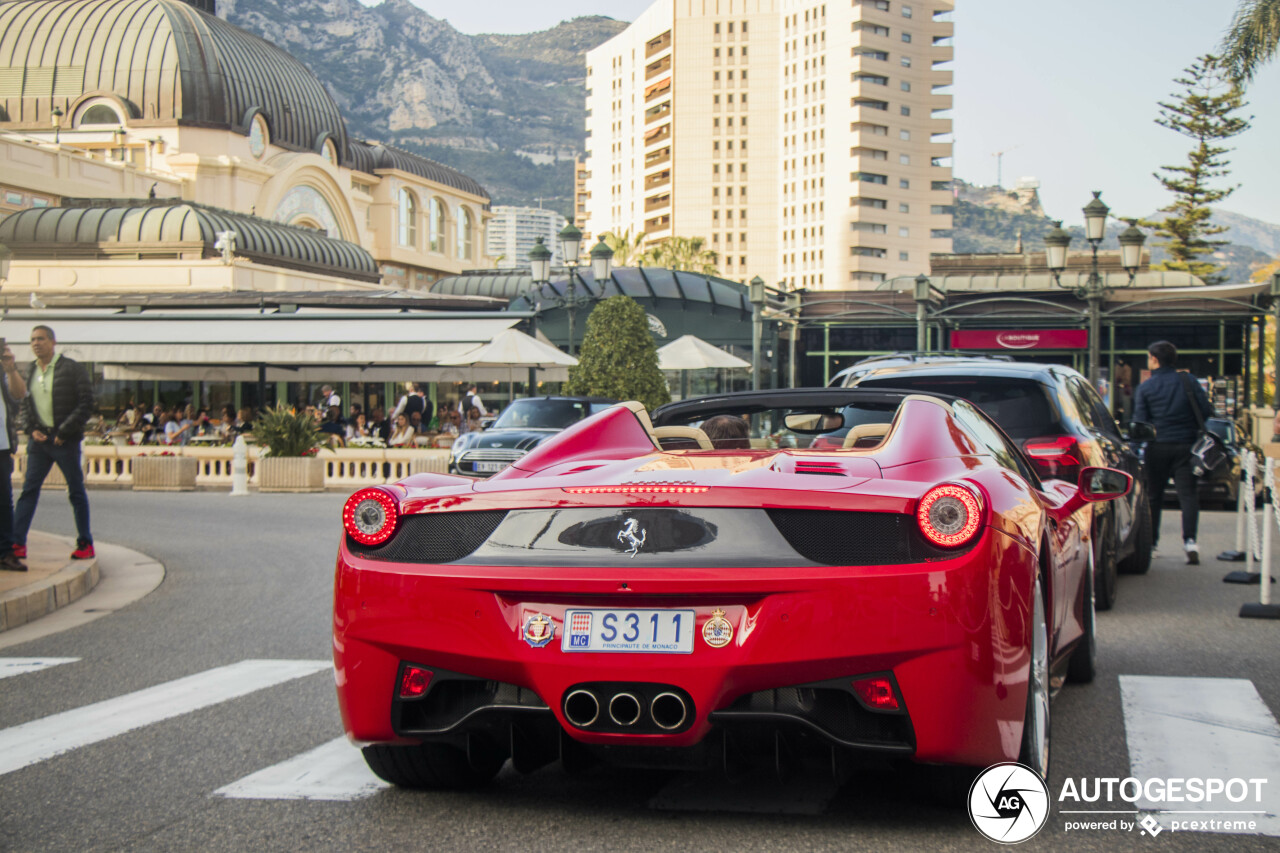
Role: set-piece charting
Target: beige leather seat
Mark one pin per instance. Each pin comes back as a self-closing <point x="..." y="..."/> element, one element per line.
<point x="869" y="435"/>
<point x="680" y="436"/>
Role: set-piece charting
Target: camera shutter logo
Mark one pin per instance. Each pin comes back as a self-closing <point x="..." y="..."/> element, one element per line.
<point x="1009" y="803"/>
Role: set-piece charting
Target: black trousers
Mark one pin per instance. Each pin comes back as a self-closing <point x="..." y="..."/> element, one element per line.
<point x="1165" y="460"/>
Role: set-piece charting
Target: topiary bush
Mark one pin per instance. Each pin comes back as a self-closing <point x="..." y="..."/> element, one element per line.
<point x="619" y="358"/>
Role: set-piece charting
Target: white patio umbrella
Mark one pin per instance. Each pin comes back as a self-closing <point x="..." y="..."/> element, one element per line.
<point x="691" y="352"/>
<point x="512" y="349"/>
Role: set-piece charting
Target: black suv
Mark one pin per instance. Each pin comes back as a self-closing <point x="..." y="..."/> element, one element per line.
<point x="522" y="426"/>
<point x="1061" y="424"/>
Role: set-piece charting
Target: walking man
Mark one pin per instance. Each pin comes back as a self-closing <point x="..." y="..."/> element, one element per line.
<point x="12" y="388"/>
<point x="1164" y="401"/>
<point x="54" y="412"/>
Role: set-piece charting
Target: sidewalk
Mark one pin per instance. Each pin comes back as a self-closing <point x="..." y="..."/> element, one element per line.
<point x="53" y="580"/>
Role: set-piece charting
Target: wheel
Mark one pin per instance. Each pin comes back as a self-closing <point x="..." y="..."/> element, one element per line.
<point x="1035" y="724"/>
<point x="1139" y="561"/>
<point x="431" y="765"/>
<point x="1104" y="561"/>
<point x="1083" y="663"/>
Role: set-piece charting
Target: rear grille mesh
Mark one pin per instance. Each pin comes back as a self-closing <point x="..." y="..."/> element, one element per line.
<point x="436" y="537"/>
<point x="838" y="538"/>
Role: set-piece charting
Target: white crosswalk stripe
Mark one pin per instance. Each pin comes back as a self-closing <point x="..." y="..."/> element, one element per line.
<point x="1204" y="728"/>
<point x="332" y="771"/>
<point x="42" y="739"/>
<point x="20" y="666"/>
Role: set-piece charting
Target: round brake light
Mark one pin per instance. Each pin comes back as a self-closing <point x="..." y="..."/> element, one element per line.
<point x="370" y="516"/>
<point x="949" y="515"/>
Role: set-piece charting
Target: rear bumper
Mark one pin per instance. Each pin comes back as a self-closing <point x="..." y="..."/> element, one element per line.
<point x="951" y="634"/>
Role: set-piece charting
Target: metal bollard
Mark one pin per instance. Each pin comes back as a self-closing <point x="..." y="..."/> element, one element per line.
<point x="239" y="467"/>
<point x="1247" y="463"/>
<point x="1264" y="609"/>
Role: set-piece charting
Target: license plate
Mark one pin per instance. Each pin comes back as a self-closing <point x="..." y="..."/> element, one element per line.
<point x="652" y="631"/>
<point x="490" y="467"/>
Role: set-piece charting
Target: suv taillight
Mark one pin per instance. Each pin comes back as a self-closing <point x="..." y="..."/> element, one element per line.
<point x="1056" y="456"/>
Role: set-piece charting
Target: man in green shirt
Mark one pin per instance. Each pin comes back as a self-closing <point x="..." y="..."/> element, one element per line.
<point x="59" y="401"/>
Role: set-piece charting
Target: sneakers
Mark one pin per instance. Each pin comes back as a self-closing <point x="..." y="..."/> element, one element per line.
<point x="20" y="551"/>
<point x="10" y="563"/>
<point x="1193" y="552"/>
<point x="83" y="551"/>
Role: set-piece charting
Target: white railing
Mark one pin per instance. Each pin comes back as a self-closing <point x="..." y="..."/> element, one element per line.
<point x="346" y="469"/>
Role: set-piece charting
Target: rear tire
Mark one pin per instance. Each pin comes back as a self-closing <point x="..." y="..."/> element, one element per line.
<point x="431" y="765"/>
<point x="1083" y="664"/>
<point x="1035" y="724"/>
<point x="1139" y="561"/>
<point x="1105" y="569"/>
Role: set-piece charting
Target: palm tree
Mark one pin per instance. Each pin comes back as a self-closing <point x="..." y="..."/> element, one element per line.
<point x="684" y="253"/>
<point x="1252" y="38"/>
<point x="627" y="250"/>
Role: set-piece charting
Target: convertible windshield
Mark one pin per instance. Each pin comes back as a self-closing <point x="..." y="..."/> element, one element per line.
<point x="804" y="426"/>
<point x="545" y="414"/>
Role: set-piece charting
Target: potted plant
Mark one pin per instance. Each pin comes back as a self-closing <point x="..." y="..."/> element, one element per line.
<point x="165" y="471"/>
<point x="290" y="443"/>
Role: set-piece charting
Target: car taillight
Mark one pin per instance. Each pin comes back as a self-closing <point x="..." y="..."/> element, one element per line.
<point x="877" y="693"/>
<point x="1055" y="456"/>
<point x="414" y="681"/>
<point x="949" y="515"/>
<point x="370" y="516"/>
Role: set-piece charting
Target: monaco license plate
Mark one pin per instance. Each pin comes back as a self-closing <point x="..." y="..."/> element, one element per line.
<point x="490" y="467"/>
<point x="653" y="631"/>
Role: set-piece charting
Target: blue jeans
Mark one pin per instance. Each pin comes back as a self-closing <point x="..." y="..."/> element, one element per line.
<point x="41" y="457"/>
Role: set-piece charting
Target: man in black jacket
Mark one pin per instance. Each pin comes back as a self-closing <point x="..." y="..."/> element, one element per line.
<point x="1163" y="402"/>
<point x="59" y="401"/>
<point x="13" y="389"/>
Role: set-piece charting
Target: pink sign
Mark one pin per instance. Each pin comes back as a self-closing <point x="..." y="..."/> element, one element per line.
<point x="1019" y="339"/>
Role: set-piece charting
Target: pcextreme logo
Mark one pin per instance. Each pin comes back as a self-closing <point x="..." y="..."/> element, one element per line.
<point x="1009" y="803"/>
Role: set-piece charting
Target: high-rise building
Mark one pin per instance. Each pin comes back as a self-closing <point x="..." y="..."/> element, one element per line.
<point x="807" y="142"/>
<point x="513" y="231"/>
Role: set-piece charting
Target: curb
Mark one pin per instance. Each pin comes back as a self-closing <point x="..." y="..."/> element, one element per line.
<point x="27" y="603"/>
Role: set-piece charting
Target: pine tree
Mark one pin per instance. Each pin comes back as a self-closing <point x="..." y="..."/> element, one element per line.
<point x="1202" y="112"/>
<point x="618" y="357"/>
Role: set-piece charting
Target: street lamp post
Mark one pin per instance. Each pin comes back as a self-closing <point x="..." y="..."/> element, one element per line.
<point x="570" y="244"/>
<point x="755" y="293"/>
<point x="56" y="116"/>
<point x="540" y="271"/>
<point x="1095" y="289"/>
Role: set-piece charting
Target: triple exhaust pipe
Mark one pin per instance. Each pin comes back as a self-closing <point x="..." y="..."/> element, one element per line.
<point x="667" y="710"/>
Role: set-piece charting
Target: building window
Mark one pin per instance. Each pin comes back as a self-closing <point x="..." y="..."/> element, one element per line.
<point x="903" y="207"/>
<point x="870" y="178"/>
<point x="100" y="114"/>
<point x="905" y="86"/>
<point x="906" y="62"/>
<point x="906" y="37"/>
<point x="904" y="134"/>
<point x="866" y="252"/>
<point x="904" y="159"/>
<point x="904" y="184"/>
<point x="904" y="256"/>
<point x="906" y="111"/>
<point x="906" y="11"/>
<point x="408" y="219"/>
<point x="904" y="231"/>
<point x="436" y="225"/>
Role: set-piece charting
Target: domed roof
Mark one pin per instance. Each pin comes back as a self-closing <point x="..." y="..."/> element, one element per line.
<point x="165" y="60"/>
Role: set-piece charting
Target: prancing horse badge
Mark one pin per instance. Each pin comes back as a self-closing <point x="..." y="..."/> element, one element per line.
<point x="627" y="536"/>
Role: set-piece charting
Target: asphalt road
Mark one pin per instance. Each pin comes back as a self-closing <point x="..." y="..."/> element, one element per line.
<point x="251" y="578"/>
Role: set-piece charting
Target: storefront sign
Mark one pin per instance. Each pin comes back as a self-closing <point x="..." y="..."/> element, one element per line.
<point x="997" y="339"/>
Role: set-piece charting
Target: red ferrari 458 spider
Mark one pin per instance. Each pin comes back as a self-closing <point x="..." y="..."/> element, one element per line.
<point x="643" y="592"/>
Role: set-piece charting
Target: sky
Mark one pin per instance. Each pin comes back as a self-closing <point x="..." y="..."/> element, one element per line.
<point x="1069" y="91"/>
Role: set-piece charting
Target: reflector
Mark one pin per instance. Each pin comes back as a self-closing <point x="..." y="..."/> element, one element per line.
<point x="414" y="682"/>
<point x="877" y="693"/>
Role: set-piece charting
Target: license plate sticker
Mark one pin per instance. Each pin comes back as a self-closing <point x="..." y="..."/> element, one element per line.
<point x="490" y="467"/>
<point x="646" y="631"/>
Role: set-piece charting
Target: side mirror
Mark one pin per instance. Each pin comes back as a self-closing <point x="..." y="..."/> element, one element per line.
<point x="1141" y="431"/>
<point x="1104" y="484"/>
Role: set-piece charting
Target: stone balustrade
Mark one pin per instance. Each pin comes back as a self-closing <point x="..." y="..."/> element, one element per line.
<point x="345" y="470"/>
